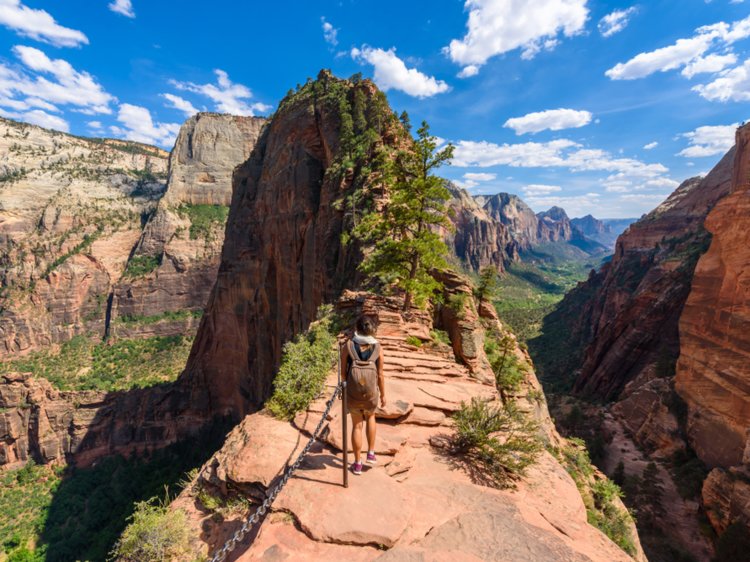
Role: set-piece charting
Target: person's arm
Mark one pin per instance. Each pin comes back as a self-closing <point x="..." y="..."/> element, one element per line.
<point x="381" y="378"/>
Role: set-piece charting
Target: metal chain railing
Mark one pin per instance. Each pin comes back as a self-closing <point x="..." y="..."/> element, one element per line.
<point x="253" y="520"/>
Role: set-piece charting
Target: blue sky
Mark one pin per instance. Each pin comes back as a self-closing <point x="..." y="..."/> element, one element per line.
<point x="600" y="107"/>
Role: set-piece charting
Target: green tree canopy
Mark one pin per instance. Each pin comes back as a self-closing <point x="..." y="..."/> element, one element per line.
<point x="405" y="239"/>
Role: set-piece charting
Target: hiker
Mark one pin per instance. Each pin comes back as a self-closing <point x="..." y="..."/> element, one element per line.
<point x="362" y="369"/>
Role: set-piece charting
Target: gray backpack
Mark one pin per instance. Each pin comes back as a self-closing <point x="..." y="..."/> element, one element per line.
<point x="362" y="379"/>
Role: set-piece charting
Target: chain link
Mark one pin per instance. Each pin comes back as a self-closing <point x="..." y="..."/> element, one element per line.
<point x="253" y="520"/>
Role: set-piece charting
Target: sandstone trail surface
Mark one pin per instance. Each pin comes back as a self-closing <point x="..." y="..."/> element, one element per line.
<point x="713" y="370"/>
<point x="416" y="503"/>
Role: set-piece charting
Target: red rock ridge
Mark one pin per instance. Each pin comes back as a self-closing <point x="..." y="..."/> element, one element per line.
<point x="713" y="371"/>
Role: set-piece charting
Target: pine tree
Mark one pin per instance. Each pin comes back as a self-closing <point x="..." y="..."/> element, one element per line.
<point x="406" y="243"/>
<point x="487" y="286"/>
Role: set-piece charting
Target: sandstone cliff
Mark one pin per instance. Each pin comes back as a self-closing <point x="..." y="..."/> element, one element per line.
<point x="596" y="230"/>
<point x="181" y="243"/>
<point x="71" y="211"/>
<point x="713" y="370"/>
<point x="615" y="338"/>
<point x="623" y="319"/>
<point x="479" y="239"/>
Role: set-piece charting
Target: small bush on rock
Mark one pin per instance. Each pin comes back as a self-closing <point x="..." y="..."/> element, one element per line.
<point x="498" y="439"/>
<point x="155" y="534"/>
<point x="304" y="365"/>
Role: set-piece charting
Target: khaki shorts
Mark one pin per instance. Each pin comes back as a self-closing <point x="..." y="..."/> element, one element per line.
<point x="362" y="412"/>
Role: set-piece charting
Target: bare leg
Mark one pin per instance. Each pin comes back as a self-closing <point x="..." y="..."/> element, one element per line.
<point x="371" y="429"/>
<point x="357" y="426"/>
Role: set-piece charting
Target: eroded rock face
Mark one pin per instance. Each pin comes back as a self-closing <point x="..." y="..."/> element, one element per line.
<point x="184" y="237"/>
<point x="479" y="240"/>
<point x="71" y="215"/>
<point x="42" y="423"/>
<point x="283" y="256"/>
<point x="713" y="371"/>
<point x="624" y="318"/>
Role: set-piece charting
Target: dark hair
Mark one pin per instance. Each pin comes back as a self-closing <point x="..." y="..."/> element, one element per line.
<point x="366" y="325"/>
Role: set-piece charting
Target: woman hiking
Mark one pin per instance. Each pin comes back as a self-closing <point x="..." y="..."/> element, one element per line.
<point x="362" y="369"/>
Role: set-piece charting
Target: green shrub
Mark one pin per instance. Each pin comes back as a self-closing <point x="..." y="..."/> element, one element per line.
<point x="138" y="266"/>
<point x="488" y="283"/>
<point x="170" y="316"/>
<point x="509" y="370"/>
<point x="616" y="524"/>
<point x="440" y="336"/>
<point x="305" y="363"/>
<point x="414" y="340"/>
<point x="155" y="534"/>
<point x="499" y="440"/>
<point x="457" y="302"/>
<point x="204" y="219"/>
<point x="599" y="497"/>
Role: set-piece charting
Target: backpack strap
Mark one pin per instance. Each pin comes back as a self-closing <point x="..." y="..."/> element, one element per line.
<point x="354" y="356"/>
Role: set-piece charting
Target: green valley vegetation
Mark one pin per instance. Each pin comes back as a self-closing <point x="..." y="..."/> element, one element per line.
<point x="527" y="292"/>
<point x="83" y="364"/>
<point x="58" y="515"/>
<point x="405" y="243"/>
<point x="305" y="363"/>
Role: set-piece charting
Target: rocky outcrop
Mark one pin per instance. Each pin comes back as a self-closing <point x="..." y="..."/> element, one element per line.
<point x="623" y="319"/>
<point x="713" y="370"/>
<point x="283" y="255"/>
<point x="554" y="225"/>
<point x="181" y="243"/>
<point x="40" y="423"/>
<point x="666" y="339"/>
<point x="70" y="216"/>
<point x="596" y="230"/>
<point x="419" y="506"/>
<point x="479" y="239"/>
<point x="529" y="230"/>
<point x="511" y="211"/>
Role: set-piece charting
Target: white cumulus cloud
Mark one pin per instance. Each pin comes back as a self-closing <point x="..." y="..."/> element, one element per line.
<point x="123" y="7"/>
<point x="538" y="189"/>
<point x="46" y="83"/>
<point x="38" y="117"/>
<point x="709" y="140"/>
<point x="708" y="64"/>
<point x="38" y="25"/>
<point x="330" y="33"/>
<point x="180" y="104"/>
<point x="391" y="73"/>
<point x="683" y="52"/>
<point x="616" y="21"/>
<point x="495" y="27"/>
<point x="552" y="119"/>
<point x="730" y="85"/>
<point x="227" y="96"/>
<point x="139" y="126"/>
